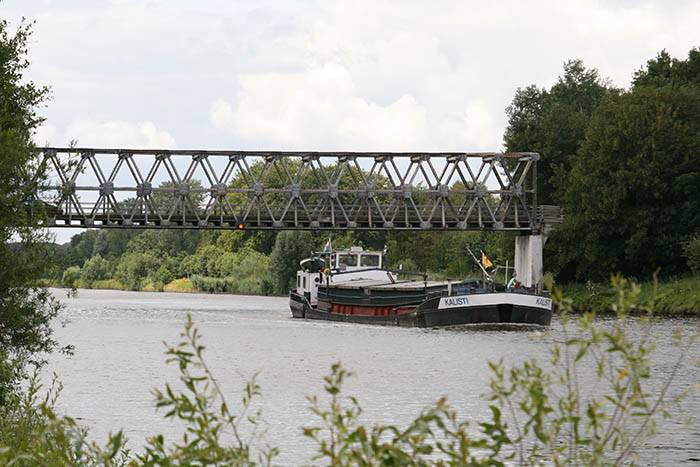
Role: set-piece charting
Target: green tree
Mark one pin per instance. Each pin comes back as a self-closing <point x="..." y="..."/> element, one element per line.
<point x="634" y="191"/>
<point x="70" y="277"/>
<point x="81" y="247"/>
<point x="164" y="242"/>
<point x="134" y="268"/>
<point x="111" y="243"/>
<point x="290" y="248"/>
<point x="95" y="269"/>
<point x="664" y="70"/>
<point x="26" y="309"/>
<point x="553" y="123"/>
<point x="691" y="251"/>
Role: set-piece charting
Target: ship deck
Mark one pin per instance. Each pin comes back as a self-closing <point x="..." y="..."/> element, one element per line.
<point x="385" y="285"/>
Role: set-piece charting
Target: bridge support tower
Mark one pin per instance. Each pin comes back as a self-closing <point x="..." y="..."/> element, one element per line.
<point x="528" y="259"/>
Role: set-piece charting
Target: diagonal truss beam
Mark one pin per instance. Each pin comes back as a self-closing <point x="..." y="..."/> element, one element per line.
<point x="144" y="188"/>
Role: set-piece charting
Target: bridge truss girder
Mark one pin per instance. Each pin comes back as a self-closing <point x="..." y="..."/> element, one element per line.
<point x="119" y="188"/>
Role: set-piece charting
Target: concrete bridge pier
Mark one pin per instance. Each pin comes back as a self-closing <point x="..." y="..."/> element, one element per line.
<point x="528" y="260"/>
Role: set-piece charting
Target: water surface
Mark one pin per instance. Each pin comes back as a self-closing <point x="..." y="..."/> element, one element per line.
<point x="118" y="338"/>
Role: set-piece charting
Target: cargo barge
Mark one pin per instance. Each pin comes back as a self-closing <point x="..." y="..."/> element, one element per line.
<point x="352" y="286"/>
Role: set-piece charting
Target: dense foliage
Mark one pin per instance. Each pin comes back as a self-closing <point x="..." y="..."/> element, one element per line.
<point x="25" y="308"/>
<point x="624" y="165"/>
<point x="540" y="414"/>
<point x="247" y="262"/>
<point x="553" y="123"/>
<point x="691" y="250"/>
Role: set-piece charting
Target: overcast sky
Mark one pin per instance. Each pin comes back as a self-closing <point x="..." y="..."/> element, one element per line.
<point x="346" y="75"/>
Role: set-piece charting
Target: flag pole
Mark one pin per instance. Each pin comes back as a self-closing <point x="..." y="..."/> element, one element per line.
<point x="486" y="274"/>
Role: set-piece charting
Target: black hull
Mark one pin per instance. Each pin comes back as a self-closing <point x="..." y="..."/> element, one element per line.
<point x="427" y="315"/>
<point x="298" y="305"/>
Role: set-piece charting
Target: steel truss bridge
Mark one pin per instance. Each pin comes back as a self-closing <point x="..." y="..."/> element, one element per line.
<point x="126" y="188"/>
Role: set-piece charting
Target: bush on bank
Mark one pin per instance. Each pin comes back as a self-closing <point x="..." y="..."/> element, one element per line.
<point x="110" y="284"/>
<point x="180" y="285"/>
<point x="71" y="277"/>
<point x="538" y="413"/>
<point x="691" y="251"/>
<point x="672" y="297"/>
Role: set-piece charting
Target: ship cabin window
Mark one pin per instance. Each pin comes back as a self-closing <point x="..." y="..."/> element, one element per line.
<point x="298" y="281"/>
<point x="346" y="260"/>
<point x="303" y="282"/>
<point x="370" y="261"/>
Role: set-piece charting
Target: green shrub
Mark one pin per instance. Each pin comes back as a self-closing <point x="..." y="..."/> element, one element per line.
<point x="253" y="273"/>
<point x="133" y="269"/>
<point x="70" y="277"/>
<point x="209" y="257"/>
<point x="691" y="251"/>
<point x="150" y="286"/>
<point x="212" y="284"/>
<point x="162" y="275"/>
<point x="193" y="264"/>
<point x="180" y="285"/>
<point x="112" y="284"/>
<point x="227" y="264"/>
<point x="95" y="269"/>
<point x="406" y="264"/>
<point x="33" y="434"/>
<point x="290" y="248"/>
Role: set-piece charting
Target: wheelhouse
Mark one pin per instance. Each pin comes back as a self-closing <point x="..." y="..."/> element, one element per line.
<point x="356" y="258"/>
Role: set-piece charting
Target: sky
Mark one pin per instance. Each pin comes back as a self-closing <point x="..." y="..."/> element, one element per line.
<point x="327" y="75"/>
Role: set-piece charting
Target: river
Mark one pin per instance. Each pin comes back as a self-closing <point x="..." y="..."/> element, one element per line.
<point x="119" y="358"/>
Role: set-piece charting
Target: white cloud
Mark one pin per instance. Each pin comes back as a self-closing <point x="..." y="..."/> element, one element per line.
<point x="221" y="115"/>
<point x="476" y="128"/>
<point x="46" y="135"/>
<point x="117" y="134"/>
<point x="318" y="108"/>
<point x="356" y="74"/>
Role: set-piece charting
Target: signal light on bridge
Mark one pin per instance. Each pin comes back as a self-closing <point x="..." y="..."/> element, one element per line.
<point x="241" y="226"/>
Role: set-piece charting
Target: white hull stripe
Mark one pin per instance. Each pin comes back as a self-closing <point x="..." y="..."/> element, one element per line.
<point x="463" y="301"/>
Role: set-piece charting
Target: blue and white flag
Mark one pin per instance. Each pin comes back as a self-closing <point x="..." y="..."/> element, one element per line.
<point x="328" y="248"/>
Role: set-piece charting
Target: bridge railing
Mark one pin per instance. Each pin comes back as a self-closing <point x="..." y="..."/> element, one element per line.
<point x="117" y="188"/>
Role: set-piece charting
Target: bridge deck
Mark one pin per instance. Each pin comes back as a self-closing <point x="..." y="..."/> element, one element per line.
<point x="193" y="189"/>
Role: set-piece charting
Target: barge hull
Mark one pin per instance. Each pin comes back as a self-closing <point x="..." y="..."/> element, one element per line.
<point x="429" y="314"/>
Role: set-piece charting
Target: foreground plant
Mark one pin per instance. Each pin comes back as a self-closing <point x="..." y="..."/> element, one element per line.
<point x="208" y="416"/>
<point x="436" y="437"/>
<point x="33" y="434"/>
<point x="539" y="415"/>
<point x="553" y="417"/>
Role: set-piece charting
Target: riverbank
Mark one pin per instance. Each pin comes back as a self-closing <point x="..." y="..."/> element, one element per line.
<point x="677" y="296"/>
<point x="183" y="285"/>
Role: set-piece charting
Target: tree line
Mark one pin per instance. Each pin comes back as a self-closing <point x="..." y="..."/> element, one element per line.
<point x="624" y="164"/>
<point x="249" y="262"/>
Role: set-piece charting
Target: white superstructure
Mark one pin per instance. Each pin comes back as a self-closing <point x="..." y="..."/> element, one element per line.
<point x="345" y="265"/>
